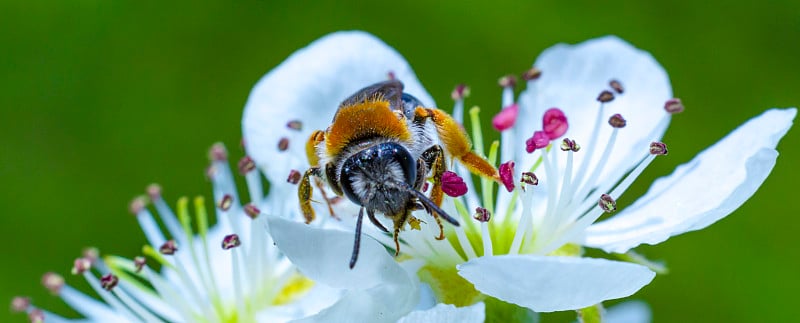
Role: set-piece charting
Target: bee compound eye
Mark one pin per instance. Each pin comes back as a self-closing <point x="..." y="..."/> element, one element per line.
<point x="377" y="165"/>
<point x="410" y="103"/>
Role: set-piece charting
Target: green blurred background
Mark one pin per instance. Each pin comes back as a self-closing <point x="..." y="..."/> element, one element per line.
<point x="101" y="98"/>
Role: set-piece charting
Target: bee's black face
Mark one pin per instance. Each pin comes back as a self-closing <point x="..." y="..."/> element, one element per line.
<point x="373" y="177"/>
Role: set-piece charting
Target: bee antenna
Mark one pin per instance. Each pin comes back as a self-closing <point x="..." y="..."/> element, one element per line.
<point x="428" y="203"/>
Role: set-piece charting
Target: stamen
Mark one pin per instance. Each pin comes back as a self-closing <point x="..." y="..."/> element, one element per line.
<point x="165" y="213"/>
<point x="109" y="281"/>
<point x="539" y="140"/>
<point x="453" y="185"/>
<point x="617" y="86"/>
<point x="137" y="205"/>
<point x="673" y="106"/>
<point x="283" y="144"/>
<point x="80" y="266"/>
<point x="507" y="81"/>
<point x="218" y="152"/>
<point x="153" y="191"/>
<point x="91" y="253"/>
<point x="658" y="148"/>
<point x="295" y="125"/>
<point x="532" y="74"/>
<point x="529" y="178"/>
<point x="53" y="282"/>
<point x="482" y="214"/>
<point x="617" y="121"/>
<point x="20" y="304"/>
<point x="139" y="262"/>
<point x="554" y="123"/>
<point x="460" y="92"/>
<point x="605" y="96"/>
<point x="251" y="211"/>
<point x="226" y="202"/>
<point x="506" y="118"/>
<point x="36" y="316"/>
<point x="607" y="203"/>
<point x="294" y="177"/>
<point x="168" y="248"/>
<point x="231" y="241"/>
<point x="507" y="175"/>
<point x="570" y="145"/>
<point x="246" y="165"/>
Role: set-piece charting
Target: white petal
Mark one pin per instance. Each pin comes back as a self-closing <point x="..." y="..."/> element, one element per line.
<point x="711" y="186"/>
<point x="547" y="283"/>
<point x="574" y="75"/>
<point x="629" y="312"/>
<point x="308" y="86"/>
<point x="446" y="313"/>
<point x="379" y="289"/>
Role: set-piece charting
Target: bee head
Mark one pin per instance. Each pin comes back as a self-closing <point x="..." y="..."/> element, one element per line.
<point x="379" y="177"/>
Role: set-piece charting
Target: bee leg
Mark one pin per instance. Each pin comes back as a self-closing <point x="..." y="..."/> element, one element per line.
<point x="434" y="157"/>
<point x="399" y="222"/>
<point x="456" y="142"/>
<point x="357" y="242"/>
<point x="317" y="137"/>
<point x="371" y="215"/>
<point x="304" y="194"/>
<point x="321" y="187"/>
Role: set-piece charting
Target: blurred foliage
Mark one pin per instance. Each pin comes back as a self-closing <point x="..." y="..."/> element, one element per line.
<point x="100" y="98"/>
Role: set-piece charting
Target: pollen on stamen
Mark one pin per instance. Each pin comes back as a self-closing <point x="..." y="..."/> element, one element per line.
<point x="226" y="202"/>
<point x="53" y="282"/>
<point x="506" y="171"/>
<point x="294" y="177"/>
<point x="554" y="123"/>
<point x="569" y="144"/>
<point x="460" y="92"/>
<point x="91" y="253"/>
<point x="537" y="141"/>
<point x="109" y="281"/>
<point x="283" y="144"/>
<point x="482" y="214"/>
<point x="507" y="81"/>
<point x="506" y="118"/>
<point x="617" y="86"/>
<point x="246" y="165"/>
<point x="529" y="178"/>
<point x="295" y="125"/>
<point x="605" y="96"/>
<point x="532" y="74"/>
<point x="36" y="316"/>
<point x="139" y="262"/>
<point x="231" y="241"/>
<point x="168" y="248"/>
<point x="252" y="211"/>
<point x="217" y="152"/>
<point x="607" y="203"/>
<point x="137" y="205"/>
<point x="673" y="106"/>
<point x="658" y="148"/>
<point x="20" y="304"/>
<point x="617" y="121"/>
<point x="453" y="185"/>
<point x="153" y="191"/>
<point x="80" y="266"/>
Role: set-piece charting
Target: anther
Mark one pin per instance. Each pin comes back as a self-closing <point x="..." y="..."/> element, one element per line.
<point x="617" y="86"/>
<point x="53" y="282"/>
<point x="252" y="211"/>
<point x="36" y="316"/>
<point x="532" y="74"/>
<point x="482" y="214"/>
<point x="226" y="202"/>
<point x="507" y="175"/>
<point x="537" y="141"/>
<point x="294" y="177"/>
<point x="246" y="165"/>
<point x="109" y="281"/>
<point x="81" y="265"/>
<point x="617" y="121"/>
<point x="658" y="148"/>
<point x="138" y="263"/>
<point x="218" y="152"/>
<point x="506" y="118"/>
<point x="569" y="144"/>
<point x="529" y="178"/>
<point x="605" y="96"/>
<point x="137" y="205"/>
<point x="283" y="144"/>
<point x="391" y="75"/>
<point x="153" y="191"/>
<point x="460" y="92"/>
<point x="554" y="123"/>
<point x="425" y="187"/>
<point x="91" y="253"/>
<point x="607" y="203"/>
<point x="20" y="304"/>
<point x="295" y="125"/>
<point x="673" y="106"/>
<point x="507" y="81"/>
<point x="168" y="248"/>
<point x="210" y="171"/>
<point x="453" y="185"/>
<point x="231" y="241"/>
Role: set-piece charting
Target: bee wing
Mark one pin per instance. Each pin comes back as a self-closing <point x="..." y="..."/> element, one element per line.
<point x="391" y="91"/>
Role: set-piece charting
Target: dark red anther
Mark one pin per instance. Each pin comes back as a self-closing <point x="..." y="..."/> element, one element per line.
<point x="295" y="125"/>
<point x="482" y="214"/>
<point x="109" y="281"/>
<point x="605" y="96"/>
<point x="453" y="185"/>
<point x="139" y="262"/>
<point x="283" y="144"/>
<point x="554" y="123"/>
<point x="537" y="141"/>
<point x="532" y="74"/>
<point x="168" y="248"/>
<point x="569" y="144"/>
<point x="617" y="121"/>
<point x="607" y="203"/>
<point x="658" y="148"/>
<point x="507" y="175"/>
<point x="673" y="106"/>
<point x="294" y="177"/>
<point x="506" y="118"/>
<point x="617" y="86"/>
<point x="231" y="241"/>
<point x="252" y="211"/>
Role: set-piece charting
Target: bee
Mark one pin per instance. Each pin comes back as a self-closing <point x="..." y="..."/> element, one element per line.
<point x="380" y="149"/>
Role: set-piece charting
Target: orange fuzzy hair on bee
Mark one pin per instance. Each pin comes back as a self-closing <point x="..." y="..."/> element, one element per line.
<point x="372" y="118"/>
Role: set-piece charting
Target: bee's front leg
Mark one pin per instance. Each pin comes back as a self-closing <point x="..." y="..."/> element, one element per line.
<point x="434" y="159"/>
<point x="304" y="194"/>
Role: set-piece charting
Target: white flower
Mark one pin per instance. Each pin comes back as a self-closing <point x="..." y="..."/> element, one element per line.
<point x="231" y="272"/>
<point x="535" y="236"/>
